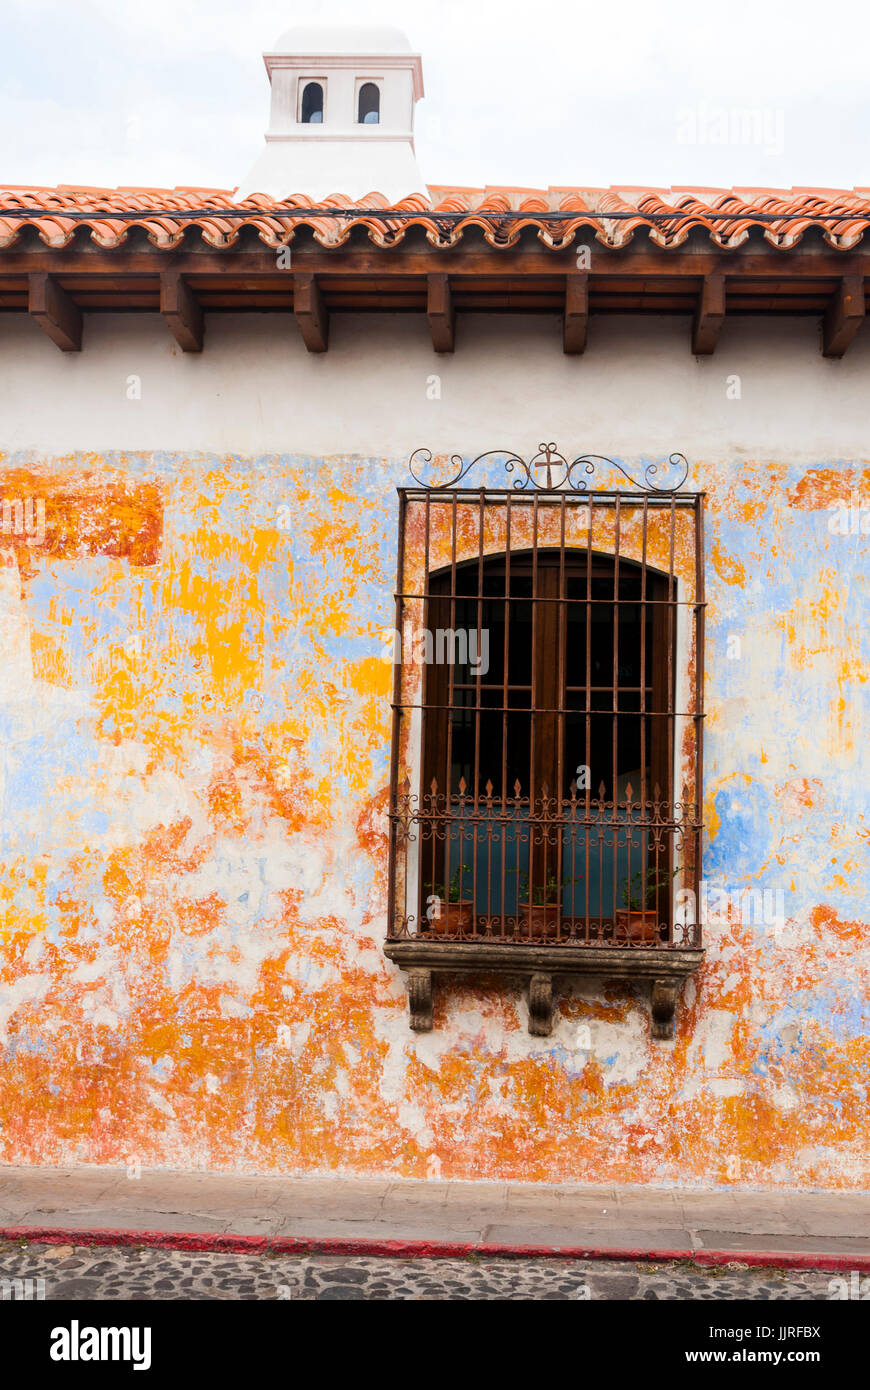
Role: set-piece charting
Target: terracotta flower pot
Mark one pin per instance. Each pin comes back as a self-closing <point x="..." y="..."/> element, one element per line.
<point x="540" y="920"/>
<point x="636" y="926"/>
<point x="453" y="919"/>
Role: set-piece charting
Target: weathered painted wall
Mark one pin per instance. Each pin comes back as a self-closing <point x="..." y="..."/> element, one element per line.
<point x="194" y="733"/>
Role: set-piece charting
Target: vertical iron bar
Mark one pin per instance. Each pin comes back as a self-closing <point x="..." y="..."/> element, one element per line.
<point x="644" y="807"/>
<point x="562" y="643"/>
<point x="616" y="707"/>
<point x="479" y="648"/>
<point x="700" y="626"/>
<point x="451" y="694"/>
<point x="671" y="789"/>
<point x="533" y="704"/>
<point x="588" y="762"/>
<point x="504" y="717"/>
<point x="396" y="723"/>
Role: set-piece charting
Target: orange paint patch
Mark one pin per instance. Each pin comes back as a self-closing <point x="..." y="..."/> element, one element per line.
<point x="87" y="513"/>
<point x="825" y="487"/>
<point x="824" y="919"/>
<point x="727" y="567"/>
<point x="800" y="795"/>
<point x="50" y="660"/>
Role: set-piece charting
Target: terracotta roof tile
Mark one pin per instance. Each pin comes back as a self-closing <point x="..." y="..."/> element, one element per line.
<point x="611" y="215"/>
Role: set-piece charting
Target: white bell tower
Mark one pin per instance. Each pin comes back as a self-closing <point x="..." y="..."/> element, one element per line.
<point x="342" y="118"/>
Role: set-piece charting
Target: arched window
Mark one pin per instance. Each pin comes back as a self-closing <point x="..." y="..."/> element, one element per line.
<point x="369" y="104"/>
<point x="558" y="663"/>
<point x="539" y="736"/>
<point x="312" y="104"/>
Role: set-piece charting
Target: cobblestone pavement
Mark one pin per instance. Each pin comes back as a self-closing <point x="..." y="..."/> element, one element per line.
<point x="88" y="1272"/>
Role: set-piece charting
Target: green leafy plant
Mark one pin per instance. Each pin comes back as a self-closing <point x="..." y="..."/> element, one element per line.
<point x="546" y="893"/>
<point x="639" y="892"/>
<point x="452" y="891"/>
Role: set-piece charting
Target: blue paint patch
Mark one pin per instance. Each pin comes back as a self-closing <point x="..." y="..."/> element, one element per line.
<point x="743" y="840"/>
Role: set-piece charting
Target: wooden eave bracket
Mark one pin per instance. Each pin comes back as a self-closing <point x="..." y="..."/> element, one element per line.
<point x="181" y="310"/>
<point x="844" y="315"/>
<point x="54" y="311"/>
<point x="311" y="312"/>
<point x="709" y="315"/>
<point x="576" y="316"/>
<point x="440" y="312"/>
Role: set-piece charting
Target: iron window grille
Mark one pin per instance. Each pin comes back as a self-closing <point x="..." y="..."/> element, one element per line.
<point x="547" y="745"/>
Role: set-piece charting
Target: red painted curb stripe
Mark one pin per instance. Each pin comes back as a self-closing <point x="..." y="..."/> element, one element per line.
<point x="422" y="1249"/>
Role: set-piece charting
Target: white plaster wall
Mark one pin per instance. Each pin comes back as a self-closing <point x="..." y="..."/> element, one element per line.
<point x="637" y="391"/>
<point x="350" y="166"/>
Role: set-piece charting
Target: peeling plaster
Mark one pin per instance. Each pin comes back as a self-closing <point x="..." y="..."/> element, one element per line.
<point x="194" y="751"/>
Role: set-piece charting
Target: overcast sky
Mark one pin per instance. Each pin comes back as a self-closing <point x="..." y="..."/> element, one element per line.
<point x="168" y="92"/>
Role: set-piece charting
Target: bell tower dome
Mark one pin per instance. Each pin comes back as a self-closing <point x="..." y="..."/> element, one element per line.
<point x="342" y="116"/>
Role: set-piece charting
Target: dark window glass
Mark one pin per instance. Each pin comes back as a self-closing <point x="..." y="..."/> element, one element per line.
<point x="575" y="687"/>
<point x="369" y="104"/>
<point x="312" y="104"/>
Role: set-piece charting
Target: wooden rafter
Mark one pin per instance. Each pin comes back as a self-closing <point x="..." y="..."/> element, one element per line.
<point x="576" y="315"/>
<point x="709" y="315"/>
<point x="55" y="312"/>
<point x="440" y="312"/>
<point x="844" y="315"/>
<point x="180" y="308"/>
<point x="311" y="313"/>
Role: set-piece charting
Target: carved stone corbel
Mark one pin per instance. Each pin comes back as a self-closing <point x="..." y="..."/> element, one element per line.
<point x="666" y="969"/>
<point x="420" y="999"/>
<point x="541" y="1005"/>
<point x="663" y="1008"/>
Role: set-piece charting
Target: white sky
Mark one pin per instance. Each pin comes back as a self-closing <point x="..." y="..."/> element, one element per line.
<point x="520" y="92"/>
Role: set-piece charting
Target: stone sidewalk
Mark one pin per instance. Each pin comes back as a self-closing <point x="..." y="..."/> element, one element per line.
<point x="374" y="1210"/>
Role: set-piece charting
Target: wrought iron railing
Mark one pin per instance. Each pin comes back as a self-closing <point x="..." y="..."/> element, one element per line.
<point x="578" y="870"/>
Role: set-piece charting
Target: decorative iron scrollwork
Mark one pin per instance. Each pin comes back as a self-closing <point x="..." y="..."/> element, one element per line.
<point x="559" y="474"/>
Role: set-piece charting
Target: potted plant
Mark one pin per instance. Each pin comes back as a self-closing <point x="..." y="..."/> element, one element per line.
<point x="447" y="912"/>
<point x="637" y="921"/>
<point x="541" y="904"/>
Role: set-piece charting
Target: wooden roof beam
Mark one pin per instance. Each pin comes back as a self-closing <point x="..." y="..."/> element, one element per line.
<point x="440" y="312"/>
<point x="311" y="312"/>
<point x="576" y="313"/>
<point x="709" y="315"/>
<point x="844" y="315"/>
<point x="635" y="260"/>
<point x="181" y="310"/>
<point x="55" y="312"/>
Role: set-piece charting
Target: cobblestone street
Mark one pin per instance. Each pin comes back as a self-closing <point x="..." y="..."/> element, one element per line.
<point x="87" y="1272"/>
